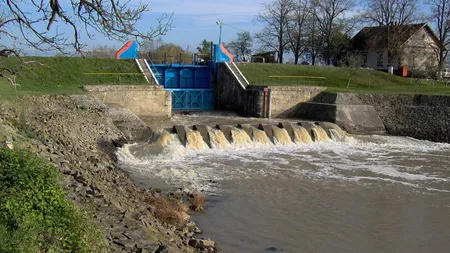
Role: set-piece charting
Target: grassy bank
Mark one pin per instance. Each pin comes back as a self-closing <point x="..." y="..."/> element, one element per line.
<point x="35" y="215"/>
<point x="364" y="81"/>
<point x="66" y="75"/>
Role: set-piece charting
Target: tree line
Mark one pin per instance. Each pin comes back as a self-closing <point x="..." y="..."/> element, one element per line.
<point x="321" y="29"/>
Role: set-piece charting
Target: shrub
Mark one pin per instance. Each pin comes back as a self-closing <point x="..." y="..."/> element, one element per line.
<point x="170" y="211"/>
<point x="198" y="202"/>
<point x="35" y="215"/>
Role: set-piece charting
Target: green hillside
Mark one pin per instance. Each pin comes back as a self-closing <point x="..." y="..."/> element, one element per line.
<point x="365" y="80"/>
<point x="66" y="75"/>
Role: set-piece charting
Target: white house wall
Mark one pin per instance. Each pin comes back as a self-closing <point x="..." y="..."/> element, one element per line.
<point x="419" y="53"/>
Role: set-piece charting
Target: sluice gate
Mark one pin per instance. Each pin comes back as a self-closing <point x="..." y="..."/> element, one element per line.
<point x="283" y="133"/>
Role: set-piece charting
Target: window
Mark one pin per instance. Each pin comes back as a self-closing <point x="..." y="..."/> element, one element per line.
<point x="364" y="59"/>
<point x="380" y="59"/>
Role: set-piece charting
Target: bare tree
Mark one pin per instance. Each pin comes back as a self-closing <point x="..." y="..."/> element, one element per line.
<point x="314" y="37"/>
<point x="352" y="66"/>
<point x="32" y="24"/>
<point x="389" y="12"/>
<point x="242" y="45"/>
<point x="441" y="17"/>
<point x="327" y="15"/>
<point x="297" y="30"/>
<point x="275" y="17"/>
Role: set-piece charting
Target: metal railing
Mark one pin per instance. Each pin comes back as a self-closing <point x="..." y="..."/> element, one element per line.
<point x="182" y="58"/>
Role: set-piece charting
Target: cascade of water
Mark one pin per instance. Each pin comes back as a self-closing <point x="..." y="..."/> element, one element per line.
<point x="335" y="136"/>
<point x="195" y="140"/>
<point x="218" y="139"/>
<point x="240" y="137"/>
<point x="281" y="136"/>
<point x="259" y="136"/>
<point x="302" y="135"/>
<point x="320" y="134"/>
<point x="164" y="139"/>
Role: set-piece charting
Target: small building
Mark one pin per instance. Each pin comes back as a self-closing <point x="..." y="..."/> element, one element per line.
<point x="265" y="57"/>
<point x="413" y="47"/>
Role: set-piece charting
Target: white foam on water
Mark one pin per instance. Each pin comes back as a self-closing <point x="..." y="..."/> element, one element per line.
<point x="374" y="158"/>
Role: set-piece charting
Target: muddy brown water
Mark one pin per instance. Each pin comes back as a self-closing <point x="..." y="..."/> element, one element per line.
<point x="358" y="194"/>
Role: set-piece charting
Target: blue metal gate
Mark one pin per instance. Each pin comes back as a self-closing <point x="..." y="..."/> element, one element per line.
<point x="192" y="99"/>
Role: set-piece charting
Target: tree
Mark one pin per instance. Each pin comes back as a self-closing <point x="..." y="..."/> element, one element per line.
<point x="297" y="28"/>
<point x="440" y="10"/>
<point x="352" y="66"/>
<point x="31" y="24"/>
<point x="242" y="45"/>
<point x="391" y="12"/>
<point x="275" y="17"/>
<point x="327" y="14"/>
<point x="205" y="47"/>
<point x="315" y="39"/>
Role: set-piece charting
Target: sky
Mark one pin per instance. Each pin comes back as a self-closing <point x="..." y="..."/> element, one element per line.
<point x="195" y="20"/>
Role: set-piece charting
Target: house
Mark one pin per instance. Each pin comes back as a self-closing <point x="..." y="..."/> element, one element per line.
<point x="413" y="47"/>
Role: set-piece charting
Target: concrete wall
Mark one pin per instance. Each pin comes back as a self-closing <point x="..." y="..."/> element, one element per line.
<point x="255" y="101"/>
<point x="418" y="116"/>
<point x="229" y="95"/>
<point x="357" y="119"/>
<point x="284" y="99"/>
<point x="143" y="100"/>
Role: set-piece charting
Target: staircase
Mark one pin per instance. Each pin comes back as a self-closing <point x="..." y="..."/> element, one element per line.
<point x="146" y="71"/>
<point x="237" y="74"/>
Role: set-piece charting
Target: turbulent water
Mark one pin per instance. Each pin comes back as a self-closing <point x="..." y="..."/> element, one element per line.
<point x="358" y="194"/>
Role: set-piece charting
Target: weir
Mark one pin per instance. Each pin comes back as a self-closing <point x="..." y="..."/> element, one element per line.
<point x="199" y="137"/>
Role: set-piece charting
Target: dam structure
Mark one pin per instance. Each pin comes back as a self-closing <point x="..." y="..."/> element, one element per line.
<point x="189" y="80"/>
<point x="200" y="137"/>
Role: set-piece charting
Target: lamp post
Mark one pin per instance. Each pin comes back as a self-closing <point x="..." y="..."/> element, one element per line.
<point x="220" y="23"/>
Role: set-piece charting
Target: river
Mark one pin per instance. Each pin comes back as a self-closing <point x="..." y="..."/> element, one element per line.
<point x="356" y="194"/>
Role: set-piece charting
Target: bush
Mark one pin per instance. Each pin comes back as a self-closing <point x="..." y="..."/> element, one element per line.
<point x="35" y="215"/>
<point x="198" y="202"/>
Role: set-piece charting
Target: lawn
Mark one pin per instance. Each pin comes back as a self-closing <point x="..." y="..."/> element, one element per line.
<point x="335" y="78"/>
<point x="67" y="75"/>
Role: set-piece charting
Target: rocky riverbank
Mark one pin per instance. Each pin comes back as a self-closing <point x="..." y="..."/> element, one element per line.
<point x="80" y="135"/>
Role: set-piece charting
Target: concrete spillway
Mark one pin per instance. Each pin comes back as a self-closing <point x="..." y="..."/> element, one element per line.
<point x="199" y="137"/>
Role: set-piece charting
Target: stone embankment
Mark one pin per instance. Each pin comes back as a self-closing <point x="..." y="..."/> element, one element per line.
<point x="78" y="135"/>
<point x="424" y="117"/>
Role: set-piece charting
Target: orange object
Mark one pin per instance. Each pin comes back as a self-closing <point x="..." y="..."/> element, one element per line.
<point x="124" y="48"/>
<point x="403" y="71"/>
<point x="226" y="52"/>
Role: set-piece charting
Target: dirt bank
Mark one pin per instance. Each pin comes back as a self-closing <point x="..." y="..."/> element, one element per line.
<point x="78" y="135"/>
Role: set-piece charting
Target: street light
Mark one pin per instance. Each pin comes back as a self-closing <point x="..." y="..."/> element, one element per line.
<point x="220" y="22"/>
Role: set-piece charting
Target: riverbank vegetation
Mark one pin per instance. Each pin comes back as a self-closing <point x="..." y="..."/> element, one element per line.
<point x="35" y="215"/>
<point x="336" y="79"/>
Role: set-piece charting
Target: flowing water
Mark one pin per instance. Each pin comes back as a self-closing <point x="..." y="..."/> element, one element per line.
<point x="350" y="194"/>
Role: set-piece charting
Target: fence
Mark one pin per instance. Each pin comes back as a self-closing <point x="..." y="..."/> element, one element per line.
<point x="181" y="58"/>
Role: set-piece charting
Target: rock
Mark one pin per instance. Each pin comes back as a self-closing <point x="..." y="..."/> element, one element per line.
<point x="6" y="144"/>
<point x="201" y="243"/>
<point x="162" y="249"/>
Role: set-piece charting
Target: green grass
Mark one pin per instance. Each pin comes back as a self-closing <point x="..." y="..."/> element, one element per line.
<point x="35" y="215"/>
<point x="336" y="79"/>
<point x="67" y="75"/>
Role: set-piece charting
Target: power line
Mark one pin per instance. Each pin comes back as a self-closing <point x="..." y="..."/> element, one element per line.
<point x="233" y="27"/>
